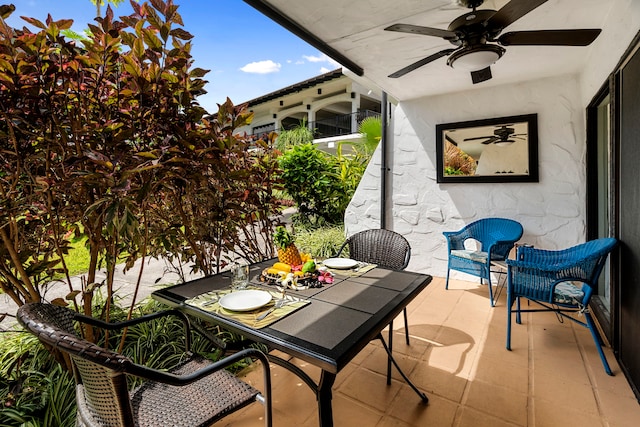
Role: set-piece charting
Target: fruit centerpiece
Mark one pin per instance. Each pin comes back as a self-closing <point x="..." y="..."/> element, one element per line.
<point x="293" y="270"/>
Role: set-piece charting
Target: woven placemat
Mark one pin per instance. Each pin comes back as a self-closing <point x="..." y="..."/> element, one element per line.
<point x="208" y="301"/>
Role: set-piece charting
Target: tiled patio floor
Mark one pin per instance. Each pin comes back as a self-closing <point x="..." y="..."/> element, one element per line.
<point x="552" y="377"/>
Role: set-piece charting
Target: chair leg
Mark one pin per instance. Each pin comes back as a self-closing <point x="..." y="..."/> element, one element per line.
<point x="446" y="283"/>
<point x="493" y="304"/>
<point x="406" y="326"/>
<point x="597" y="340"/>
<point x="508" y="326"/>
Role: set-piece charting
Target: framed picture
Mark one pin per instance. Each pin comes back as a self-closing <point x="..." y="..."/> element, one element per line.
<point x="504" y="149"/>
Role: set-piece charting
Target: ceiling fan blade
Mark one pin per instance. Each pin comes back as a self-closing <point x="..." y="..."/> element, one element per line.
<point x="448" y="138"/>
<point x="582" y="37"/>
<point x="479" y="137"/>
<point x="425" y="31"/>
<point x="491" y="140"/>
<point x="512" y="11"/>
<point x="420" y="63"/>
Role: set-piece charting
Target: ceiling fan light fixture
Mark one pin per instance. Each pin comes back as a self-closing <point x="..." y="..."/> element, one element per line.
<point x="474" y="58"/>
<point x="504" y="143"/>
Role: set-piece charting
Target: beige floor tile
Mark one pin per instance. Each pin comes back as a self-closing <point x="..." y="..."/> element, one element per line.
<point x="502" y="402"/>
<point x="502" y="373"/>
<point x="435" y="381"/>
<point x="554" y="414"/>
<point x="552" y="377"/>
<point x="408" y="408"/>
<point x="349" y="412"/>
<point x="565" y="392"/>
<point x="377" y="362"/>
<point x="473" y="418"/>
<point x="370" y="388"/>
<point x="619" y="411"/>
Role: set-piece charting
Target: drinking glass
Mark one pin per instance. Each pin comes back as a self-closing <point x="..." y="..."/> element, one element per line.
<point x="240" y="276"/>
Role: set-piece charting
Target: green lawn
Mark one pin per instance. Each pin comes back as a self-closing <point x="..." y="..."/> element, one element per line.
<point x="77" y="259"/>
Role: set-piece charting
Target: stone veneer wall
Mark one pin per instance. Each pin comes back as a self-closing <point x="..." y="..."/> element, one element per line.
<point x="552" y="211"/>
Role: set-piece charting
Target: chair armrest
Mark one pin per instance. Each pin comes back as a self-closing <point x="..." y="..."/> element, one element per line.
<point x="111" y="326"/>
<point x="549" y="261"/>
<point x="345" y="243"/>
<point x="456" y="239"/>
<point x="130" y="322"/>
<point x="181" y="380"/>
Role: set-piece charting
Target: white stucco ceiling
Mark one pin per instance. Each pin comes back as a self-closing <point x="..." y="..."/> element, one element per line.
<point x="355" y="29"/>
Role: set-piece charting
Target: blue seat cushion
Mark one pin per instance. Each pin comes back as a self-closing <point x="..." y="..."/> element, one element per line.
<point x="567" y="293"/>
<point x="476" y="256"/>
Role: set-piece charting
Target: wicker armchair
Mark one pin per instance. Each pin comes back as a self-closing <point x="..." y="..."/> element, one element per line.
<point x="549" y="279"/>
<point x="197" y="392"/>
<point x="386" y="249"/>
<point x="496" y="236"/>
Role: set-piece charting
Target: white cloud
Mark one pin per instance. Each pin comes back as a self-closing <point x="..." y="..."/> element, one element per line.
<point x="262" y="67"/>
<point x="322" y="58"/>
<point x="324" y="70"/>
<point x="311" y="58"/>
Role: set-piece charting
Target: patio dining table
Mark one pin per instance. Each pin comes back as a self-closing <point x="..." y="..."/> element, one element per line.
<point x="327" y="328"/>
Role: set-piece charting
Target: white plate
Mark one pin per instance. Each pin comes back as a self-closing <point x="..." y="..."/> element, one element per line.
<point x="340" y="263"/>
<point x="246" y="300"/>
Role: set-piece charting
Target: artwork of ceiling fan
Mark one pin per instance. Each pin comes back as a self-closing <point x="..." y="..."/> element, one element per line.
<point x="503" y="135"/>
<point x="479" y="43"/>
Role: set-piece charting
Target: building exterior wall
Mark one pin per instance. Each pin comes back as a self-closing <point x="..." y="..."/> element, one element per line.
<point x="552" y="211"/>
<point x="311" y="101"/>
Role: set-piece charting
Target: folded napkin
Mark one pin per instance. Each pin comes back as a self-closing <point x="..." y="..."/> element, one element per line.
<point x="209" y="302"/>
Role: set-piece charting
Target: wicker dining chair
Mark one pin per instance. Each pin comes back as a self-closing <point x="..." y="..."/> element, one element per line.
<point x="197" y="392"/>
<point x="496" y="237"/>
<point x="387" y="249"/>
<point x="560" y="281"/>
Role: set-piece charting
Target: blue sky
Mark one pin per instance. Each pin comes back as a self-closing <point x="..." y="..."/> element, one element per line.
<point x="248" y="54"/>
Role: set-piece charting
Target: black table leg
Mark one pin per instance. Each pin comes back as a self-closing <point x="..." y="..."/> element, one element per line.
<point x="389" y="353"/>
<point x="325" y="411"/>
<point x="422" y="396"/>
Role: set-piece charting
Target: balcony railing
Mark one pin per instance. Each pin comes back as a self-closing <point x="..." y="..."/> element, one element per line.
<point x="331" y="126"/>
<point x="340" y="125"/>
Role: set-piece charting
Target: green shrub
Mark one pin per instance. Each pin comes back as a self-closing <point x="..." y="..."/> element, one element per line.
<point x="36" y="391"/>
<point x="309" y="177"/>
<point x="106" y="141"/>
<point x="299" y="134"/>
<point x="322" y="242"/>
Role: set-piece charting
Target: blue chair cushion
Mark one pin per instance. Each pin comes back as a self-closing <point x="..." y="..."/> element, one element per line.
<point x="476" y="256"/>
<point x="567" y="293"/>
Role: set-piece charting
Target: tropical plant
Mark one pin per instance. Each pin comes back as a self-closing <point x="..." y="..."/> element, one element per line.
<point x="371" y="128"/>
<point x="309" y="177"/>
<point x="108" y="142"/>
<point x="36" y="391"/>
<point x="297" y="135"/>
<point x="457" y="162"/>
<point x="100" y="3"/>
<point x="322" y="242"/>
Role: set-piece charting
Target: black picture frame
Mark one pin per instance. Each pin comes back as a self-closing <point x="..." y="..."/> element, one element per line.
<point x="509" y="146"/>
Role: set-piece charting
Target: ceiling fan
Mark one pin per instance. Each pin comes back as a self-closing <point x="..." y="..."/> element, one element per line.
<point x="503" y="135"/>
<point x="479" y="43"/>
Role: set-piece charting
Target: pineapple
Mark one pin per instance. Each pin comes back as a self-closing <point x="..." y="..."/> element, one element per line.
<point x="287" y="250"/>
